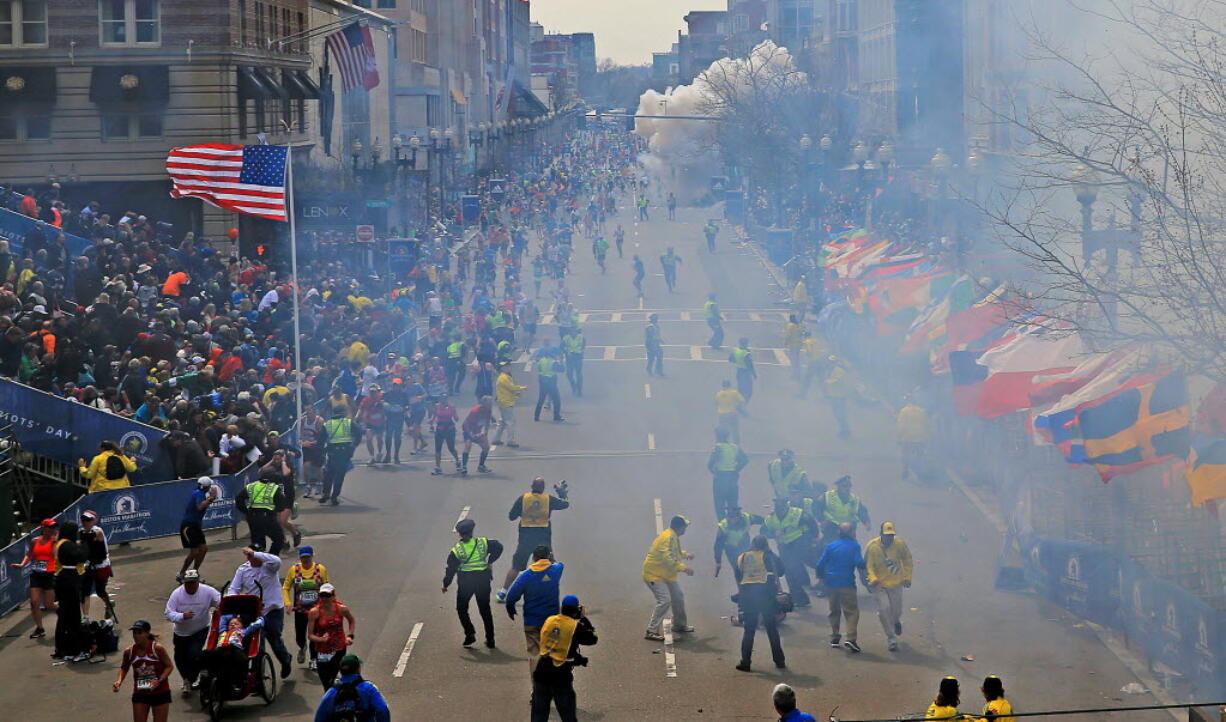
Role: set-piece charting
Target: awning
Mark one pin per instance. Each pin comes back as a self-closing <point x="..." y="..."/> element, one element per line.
<point x="299" y="85"/>
<point x="27" y="85"/>
<point x="129" y="83"/>
<point x="458" y="96"/>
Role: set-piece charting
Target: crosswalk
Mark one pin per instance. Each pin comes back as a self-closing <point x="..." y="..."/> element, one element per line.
<point x="638" y="316"/>
<point x="676" y="352"/>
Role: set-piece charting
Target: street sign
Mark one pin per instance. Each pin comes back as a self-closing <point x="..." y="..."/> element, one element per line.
<point x="366" y="234"/>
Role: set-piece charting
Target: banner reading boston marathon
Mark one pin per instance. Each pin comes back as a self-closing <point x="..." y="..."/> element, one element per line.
<point x="64" y="431"/>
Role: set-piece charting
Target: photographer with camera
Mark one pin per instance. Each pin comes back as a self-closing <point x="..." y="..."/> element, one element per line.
<point x="553" y="680"/>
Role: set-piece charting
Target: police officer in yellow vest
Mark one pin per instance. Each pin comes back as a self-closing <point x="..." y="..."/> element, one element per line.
<point x="469" y="561"/>
<point x="785" y="474"/>
<point x="553" y="679"/>
<point x="455" y="364"/>
<point x="715" y="319"/>
<point x="745" y="371"/>
<point x="340" y="437"/>
<point x="793" y="531"/>
<point x="533" y="511"/>
<point x="840" y="506"/>
<point x="547" y="387"/>
<point x="732" y="535"/>
<point x="757" y="576"/>
<point x="573" y="345"/>
<point x="261" y="499"/>
<point x="725" y="464"/>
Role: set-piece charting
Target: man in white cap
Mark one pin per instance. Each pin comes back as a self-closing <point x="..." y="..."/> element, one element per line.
<point x="191" y="528"/>
<point x="188" y="608"/>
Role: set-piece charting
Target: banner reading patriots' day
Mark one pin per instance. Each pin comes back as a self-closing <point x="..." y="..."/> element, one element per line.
<point x="46" y="425"/>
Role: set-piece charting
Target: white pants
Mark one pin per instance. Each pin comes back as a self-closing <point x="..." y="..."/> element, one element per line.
<point x="668" y="595"/>
<point x="506" y="422"/>
<point x="889" y="609"/>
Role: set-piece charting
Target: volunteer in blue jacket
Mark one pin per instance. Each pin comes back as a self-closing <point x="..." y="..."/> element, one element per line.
<point x="352" y="697"/>
<point x="539" y="587"/>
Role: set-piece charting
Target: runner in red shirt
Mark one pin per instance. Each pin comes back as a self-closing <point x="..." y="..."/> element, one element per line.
<point x="476" y="431"/>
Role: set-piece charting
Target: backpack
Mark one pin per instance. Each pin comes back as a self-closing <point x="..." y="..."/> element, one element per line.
<point x="347" y="703"/>
<point x="114" y="468"/>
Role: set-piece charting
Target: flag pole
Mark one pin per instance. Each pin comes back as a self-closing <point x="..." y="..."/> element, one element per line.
<point x="293" y="264"/>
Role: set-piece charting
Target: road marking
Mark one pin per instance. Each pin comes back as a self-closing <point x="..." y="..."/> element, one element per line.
<point x="670" y="658"/>
<point x="695" y="353"/>
<point x="408" y="649"/>
<point x="463" y="514"/>
<point x="610" y="353"/>
<point x="651" y="442"/>
<point x="659" y="517"/>
<point x="647" y="390"/>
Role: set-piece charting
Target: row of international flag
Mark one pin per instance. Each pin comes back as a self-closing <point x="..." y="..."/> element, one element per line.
<point x="1118" y="411"/>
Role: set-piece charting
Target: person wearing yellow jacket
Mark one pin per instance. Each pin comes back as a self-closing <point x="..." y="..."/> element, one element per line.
<point x="664" y="562"/>
<point x="914" y="433"/>
<point x="889" y="565"/>
<point x="506" y="393"/>
<point x="97" y="473"/>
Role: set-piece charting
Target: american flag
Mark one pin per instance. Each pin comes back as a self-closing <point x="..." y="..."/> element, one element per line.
<point x="244" y="178"/>
<point x="355" y="54"/>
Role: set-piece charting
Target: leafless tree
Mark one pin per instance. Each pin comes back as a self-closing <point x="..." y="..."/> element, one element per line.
<point x="1140" y="134"/>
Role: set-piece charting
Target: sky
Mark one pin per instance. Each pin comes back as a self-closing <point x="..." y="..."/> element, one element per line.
<point x="628" y="31"/>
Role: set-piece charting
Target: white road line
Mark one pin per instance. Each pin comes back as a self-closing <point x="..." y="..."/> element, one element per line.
<point x="651" y="442"/>
<point x="659" y="516"/>
<point x="670" y="658"/>
<point x="647" y="390"/>
<point x="463" y="514"/>
<point x="408" y="649"/>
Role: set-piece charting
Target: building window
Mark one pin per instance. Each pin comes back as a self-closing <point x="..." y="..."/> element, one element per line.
<point x="130" y="22"/>
<point x="25" y="124"/>
<point x="23" y="23"/>
<point x="132" y="125"/>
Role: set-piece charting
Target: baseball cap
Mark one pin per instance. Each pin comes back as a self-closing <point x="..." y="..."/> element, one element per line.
<point x="191" y="575"/>
<point x="327" y="589"/>
<point x="142" y="625"/>
<point x="49" y="523"/>
<point x="887" y="528"/>
<point x="306" y="550"/>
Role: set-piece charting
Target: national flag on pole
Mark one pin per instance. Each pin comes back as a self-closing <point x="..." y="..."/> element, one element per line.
<point x="242" y="178"/>
<point x="355" y="56"/>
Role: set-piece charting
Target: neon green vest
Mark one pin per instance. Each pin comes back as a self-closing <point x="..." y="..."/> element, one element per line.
<point x="260" y="495"/>
<point x="727" y="456"/>
<point x="839" y="513"/>
<point x="787" y="529"/>
<point x="473" y="554"/>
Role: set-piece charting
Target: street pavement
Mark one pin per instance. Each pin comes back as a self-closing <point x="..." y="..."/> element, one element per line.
<point x="634" y="450"/>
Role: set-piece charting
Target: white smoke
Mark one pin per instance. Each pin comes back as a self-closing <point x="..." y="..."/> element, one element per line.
<point x="683" y="154"/>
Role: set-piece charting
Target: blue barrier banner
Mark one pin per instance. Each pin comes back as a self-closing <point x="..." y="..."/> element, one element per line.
<point x="65" y="431"/>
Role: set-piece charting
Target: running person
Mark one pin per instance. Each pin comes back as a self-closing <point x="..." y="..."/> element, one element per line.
<point x="476" y="431"/>
<point x="444" y="433"/>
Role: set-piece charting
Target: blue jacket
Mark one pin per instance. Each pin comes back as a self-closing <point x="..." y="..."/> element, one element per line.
<point x="373" y="705"/>
<point x="839" y="563"/>
<point x="539" y="586"/>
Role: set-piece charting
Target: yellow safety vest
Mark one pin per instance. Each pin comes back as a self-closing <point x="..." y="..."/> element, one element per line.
<point x="839" y="513"/>
<point x="735" y="537"/>
<point x="727" y="456"/>
<point x="753" y="568"/>
<point x="473" y="554"/>
<point x="787" y="529"/>
<point x="545" y="367"/>
<point x="260" y="495"/>
<point x="781" y="483"/>
<point x="711" y="309"/>
<point x="455" y="349"/>
<point x="740" y="358"/>
<point x="572" y="343"/>
<point x="534" y="511"/>
<point x="339" y="431"/>
<point x="556" y="635"/>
